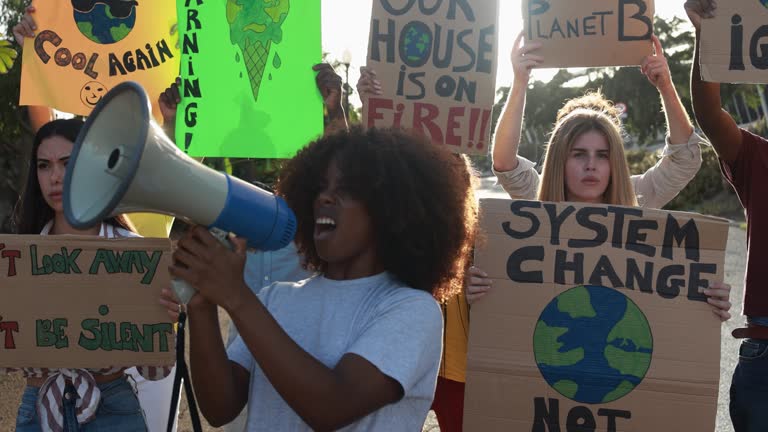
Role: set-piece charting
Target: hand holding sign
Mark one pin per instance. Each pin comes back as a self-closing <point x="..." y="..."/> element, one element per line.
<point x="719" y="296"/>
<point x="368" y="84"/>
<point x="522" y="59"/>
<point x="698" y="9"/>
<point x="656" y="68"/>
<point x="26" y="27"/>
<point x="329" y="84"/>
<point x="476" y="284"/>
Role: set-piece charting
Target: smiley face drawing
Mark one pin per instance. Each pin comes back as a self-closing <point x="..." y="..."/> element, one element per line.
<point x="92" y="92"/>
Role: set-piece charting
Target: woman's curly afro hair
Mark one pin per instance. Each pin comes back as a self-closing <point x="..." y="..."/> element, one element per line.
<point x="420" y="198"/>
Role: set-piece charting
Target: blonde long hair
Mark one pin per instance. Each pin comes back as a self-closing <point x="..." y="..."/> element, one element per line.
<point x="591" y="112"/>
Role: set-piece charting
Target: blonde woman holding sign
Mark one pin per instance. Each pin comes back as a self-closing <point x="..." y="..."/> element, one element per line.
<point x="595" y="127"/>
<point x="71" y="399"/>
<point x="585" y="159"/>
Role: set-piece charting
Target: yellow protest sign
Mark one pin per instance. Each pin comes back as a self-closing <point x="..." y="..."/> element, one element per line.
<point x="83" y="48"/>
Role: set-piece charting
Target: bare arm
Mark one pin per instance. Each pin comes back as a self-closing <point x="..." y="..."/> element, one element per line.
<point x="656" y="69"/>
<point x="717" y="124"/>
<point x="330" y="86"/>
<point x="221" y="384"/>
<point x="38" y="116"/>
<point x="506" y="139"/>
<point x="325" y="398"/>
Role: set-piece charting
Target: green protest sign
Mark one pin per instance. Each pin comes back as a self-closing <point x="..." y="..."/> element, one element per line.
<point x="248" y="89"/>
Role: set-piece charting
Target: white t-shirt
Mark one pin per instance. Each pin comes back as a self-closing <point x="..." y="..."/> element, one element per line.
<point x="396" y="328"/>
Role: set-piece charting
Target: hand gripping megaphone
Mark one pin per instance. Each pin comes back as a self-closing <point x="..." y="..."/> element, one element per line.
<point x="122" y="162"/>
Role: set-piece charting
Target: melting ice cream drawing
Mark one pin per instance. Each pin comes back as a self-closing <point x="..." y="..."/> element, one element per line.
<point x="253" y="26"/>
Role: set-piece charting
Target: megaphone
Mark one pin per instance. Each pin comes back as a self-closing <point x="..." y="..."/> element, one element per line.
<point x="122" y="162"/>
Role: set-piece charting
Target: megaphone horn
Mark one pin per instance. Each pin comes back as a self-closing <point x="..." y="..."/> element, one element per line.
<point x="122" y="162"/>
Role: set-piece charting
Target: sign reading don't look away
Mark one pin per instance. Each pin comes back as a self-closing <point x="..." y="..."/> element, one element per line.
<point x="85" y="302"/>
<point x="595" y="321"/>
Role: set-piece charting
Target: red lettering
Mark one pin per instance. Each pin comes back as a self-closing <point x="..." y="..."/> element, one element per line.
<point x="11" y="255"/>
<point x="9" y="327"/>
<point x="424" y="115"/>
<point x="374" y="105"/>
<point x="450" y="135"/>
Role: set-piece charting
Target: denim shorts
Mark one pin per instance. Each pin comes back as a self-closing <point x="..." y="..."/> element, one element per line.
<point x="749" y="388"/>
<point x="119" y="410"/>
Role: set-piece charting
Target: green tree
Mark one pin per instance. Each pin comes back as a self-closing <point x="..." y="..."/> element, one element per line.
<point x="15" y="132"/>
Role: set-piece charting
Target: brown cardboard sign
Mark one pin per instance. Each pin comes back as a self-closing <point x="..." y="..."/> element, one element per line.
<point x="595" y="321"/>
<point x="590" y="33"/>
<point x="733" y="43"/>
<point x="83" y="302"/>
<point x="437" y="65"/>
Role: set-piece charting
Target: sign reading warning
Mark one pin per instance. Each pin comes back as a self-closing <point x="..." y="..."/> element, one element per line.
<point x="595" y="321"/>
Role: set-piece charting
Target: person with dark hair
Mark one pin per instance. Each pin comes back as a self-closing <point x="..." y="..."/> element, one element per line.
<point x="743" y="160"/>
<point x="387" y="220"/>
<point x="40" y="211"/>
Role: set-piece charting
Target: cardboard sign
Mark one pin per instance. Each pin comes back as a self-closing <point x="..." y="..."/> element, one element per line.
<point x="595" y="321"/>
<point x="248" y="88"/>
<point x="83" y="49"/>
<point x="84" y="302"/>
<point x="732" y="43"/>
<point x="590" y="33"/>
<point x="437" y="64"/>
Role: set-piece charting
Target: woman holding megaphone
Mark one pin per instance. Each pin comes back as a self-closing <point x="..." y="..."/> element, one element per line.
<point x="71" y="399"/>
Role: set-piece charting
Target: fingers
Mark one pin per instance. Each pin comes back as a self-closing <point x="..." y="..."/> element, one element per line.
<point x="171" y="97"/>
<point x="518" y="40"/>
<point x="724" y="305"/>
<point x="718" y="296"/>
<point x="184" y="259"/>
<point x="658" y="49"/>
<point x="472" y="298"/>
<point x="721" y="314"/>
<point x="478" y="272"/>
<point x="477" y="285"/>
<point x="169" y="302"/>
<point x="721" y="286"/>
<point x="25" y="28"/>
<point x="529" y="48"/>
<point x="368" y="84"/>
<point x="240" y="244"/>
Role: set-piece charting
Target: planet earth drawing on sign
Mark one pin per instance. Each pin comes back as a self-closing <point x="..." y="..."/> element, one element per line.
<point x="593" y="344"/>
<point x="415" y="44"/>
<point x="105" y="21"/>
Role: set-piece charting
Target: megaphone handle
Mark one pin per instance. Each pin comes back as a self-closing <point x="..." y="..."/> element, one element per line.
<point x="181" y="288"/>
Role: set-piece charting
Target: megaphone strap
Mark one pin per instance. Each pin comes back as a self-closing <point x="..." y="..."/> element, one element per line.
<point x="182" y="375"/>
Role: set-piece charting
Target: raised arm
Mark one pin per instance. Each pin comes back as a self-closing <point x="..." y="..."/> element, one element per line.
<point x="329" y="84"/>
<point x="656" y="69"/>
<point x="681" y="159"/>
<point x="717" y="124"/>
<point x="509" y="128"/>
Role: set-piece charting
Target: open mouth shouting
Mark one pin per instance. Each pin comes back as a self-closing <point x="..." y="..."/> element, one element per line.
<point x="324" y="227"/>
